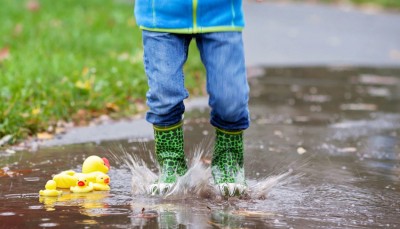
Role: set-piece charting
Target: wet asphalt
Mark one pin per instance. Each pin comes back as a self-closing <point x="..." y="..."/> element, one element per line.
<point x="323" y="148"/>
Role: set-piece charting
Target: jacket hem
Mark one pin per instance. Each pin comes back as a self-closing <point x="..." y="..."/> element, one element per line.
<point x="195" y="30"/>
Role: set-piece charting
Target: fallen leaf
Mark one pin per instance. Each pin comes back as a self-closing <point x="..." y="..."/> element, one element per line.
<point x="112" y="107"/>
<point x="84" y="85"/>
<point x="44" y="136"/>
<point x="18" y="29"/>
<point x="60" y="130"/>
<point x="80" y="117"/>
<point x="33" y="5"/>
<point x="140" y="105"/>
<point x="85" y="71"/>
<point x="4" y="53"/>
<point x="5" y="171"/>
<point x="36" y="111"/>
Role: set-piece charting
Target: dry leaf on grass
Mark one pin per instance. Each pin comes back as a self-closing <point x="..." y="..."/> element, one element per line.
<point x="33" y="5"/>
<point x="112" y="107"/>
<point x="44" y="136"/>
<point x="4" y="54"/>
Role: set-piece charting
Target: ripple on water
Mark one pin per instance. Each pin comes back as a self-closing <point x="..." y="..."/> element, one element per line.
<point x="7" y="213"/>
<point x="31" y="179"/>
<point x="48" y="224"/>
<point x="87" y="222"/>
<point x="106" y="211"/>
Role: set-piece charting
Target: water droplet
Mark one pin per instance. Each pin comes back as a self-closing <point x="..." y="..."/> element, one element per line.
<point x="278" y="133"/>
<point x="313" y="90"/>
<point x="301" y="150"/>
<point x="10" y="151"/>
<point x="315" y="108"/>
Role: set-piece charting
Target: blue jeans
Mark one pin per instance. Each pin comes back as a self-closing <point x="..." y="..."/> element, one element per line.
<point x="223" y="57"/>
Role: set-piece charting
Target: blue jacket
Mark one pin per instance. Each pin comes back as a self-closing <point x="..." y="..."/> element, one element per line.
<point x="189" y="16"/>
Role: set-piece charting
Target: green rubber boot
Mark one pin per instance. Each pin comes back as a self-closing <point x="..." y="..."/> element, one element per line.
<point x="227" y="162"/>
<point x="170" y="156"/>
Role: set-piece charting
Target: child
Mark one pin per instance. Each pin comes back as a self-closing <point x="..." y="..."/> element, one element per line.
<point x="168" y="27"/>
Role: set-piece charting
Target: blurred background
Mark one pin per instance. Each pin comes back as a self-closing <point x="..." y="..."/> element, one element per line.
<point x="67" y="63"/>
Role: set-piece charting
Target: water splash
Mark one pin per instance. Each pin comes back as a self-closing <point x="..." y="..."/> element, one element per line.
<point x="259" y="189"/>
<point x="142" y="176"/>
<point x="197" y="179"/>
<point x="197" y="182"/>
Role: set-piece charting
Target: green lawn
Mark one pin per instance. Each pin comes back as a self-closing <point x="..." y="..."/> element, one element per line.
<point x="384" y="3"/>
<point x="388" y="4"/>
<point x="71" y="60"/>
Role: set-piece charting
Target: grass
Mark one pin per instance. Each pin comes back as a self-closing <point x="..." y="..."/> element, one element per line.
<point x="388" y="4"/>
<point x="71" y="60"/>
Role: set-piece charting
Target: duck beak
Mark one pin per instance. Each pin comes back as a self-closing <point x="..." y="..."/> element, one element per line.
<point x="81" y="183"/>
<point x="106" y="163"/>
<point x="107" y="180"/>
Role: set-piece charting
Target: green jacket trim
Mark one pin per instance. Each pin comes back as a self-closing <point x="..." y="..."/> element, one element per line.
<point x="195" y="30"/>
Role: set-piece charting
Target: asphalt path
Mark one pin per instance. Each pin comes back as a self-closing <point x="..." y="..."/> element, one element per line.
<point x="299" y="34"/>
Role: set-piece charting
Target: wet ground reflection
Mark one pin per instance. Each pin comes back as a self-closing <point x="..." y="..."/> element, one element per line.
<point x="334" y="130"/>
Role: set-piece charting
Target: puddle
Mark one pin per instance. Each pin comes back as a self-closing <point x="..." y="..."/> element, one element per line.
<point x="323" y="151"/>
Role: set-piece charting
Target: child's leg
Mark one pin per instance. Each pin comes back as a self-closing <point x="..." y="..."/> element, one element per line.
<point x="164" y="56"/>
<point x="223" y="56"/>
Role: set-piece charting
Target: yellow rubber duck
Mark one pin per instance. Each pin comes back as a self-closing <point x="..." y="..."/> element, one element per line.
<point x="66" y="179"/>
<point x="81" y="186"/>
<point x="95" y="164"/>
<point x="101" y="183"/>
<point x="91" y="168"/>
<point x="50" y="189"/>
